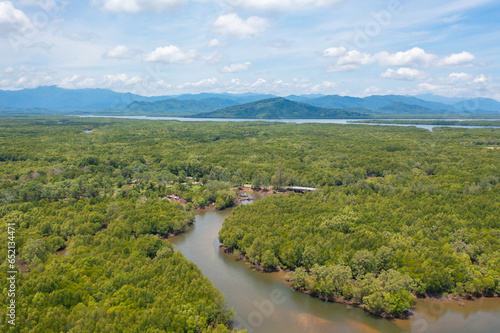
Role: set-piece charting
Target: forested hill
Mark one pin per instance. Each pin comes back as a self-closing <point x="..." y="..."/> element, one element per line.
<point x="177" y="107"/>
<point x="280" y="108"/>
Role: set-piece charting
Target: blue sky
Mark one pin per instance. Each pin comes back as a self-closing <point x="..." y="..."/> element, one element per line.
<point x="163" y="47"/>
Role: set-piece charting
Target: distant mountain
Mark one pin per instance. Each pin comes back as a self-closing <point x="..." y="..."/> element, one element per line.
<point x="237" y="98"/>
<point x="478" y="104"/>
<point x="177" y="107"/>
<point x="374" y="102"/>
<point x="303" y="98"/>
<point x="60" y="99"/>
<point x="439" y="99"/>
<point x="405" y="109"/>
<point x="166" y="107"/>
<point x="280" y="108"/>
<point x="218" y="102"/>
<point x="55" y="98"/>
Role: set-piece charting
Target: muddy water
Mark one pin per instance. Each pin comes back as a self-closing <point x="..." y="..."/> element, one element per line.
<point x="264" y="302"/>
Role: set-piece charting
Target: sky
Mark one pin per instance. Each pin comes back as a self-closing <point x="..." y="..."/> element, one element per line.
<point x="166" y="47"/>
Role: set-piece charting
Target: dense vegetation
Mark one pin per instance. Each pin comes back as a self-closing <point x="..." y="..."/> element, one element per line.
<point x="495" y="123"/>
<point x="431" y="227"/>
<point x="89" y="240"/>
<point x="393" y="198"/>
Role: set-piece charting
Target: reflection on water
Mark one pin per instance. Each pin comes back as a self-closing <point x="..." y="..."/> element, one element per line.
<point x="264" y="302"/>
<point x="481" y="315"/>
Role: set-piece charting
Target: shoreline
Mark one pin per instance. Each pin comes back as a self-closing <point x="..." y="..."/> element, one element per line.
<point x="332" y="299"/>
<point x="459" y="300"/>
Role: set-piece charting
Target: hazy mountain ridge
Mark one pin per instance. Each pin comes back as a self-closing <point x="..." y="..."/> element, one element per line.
<point x="52" y="99"/>
<point x="280" y="108"/>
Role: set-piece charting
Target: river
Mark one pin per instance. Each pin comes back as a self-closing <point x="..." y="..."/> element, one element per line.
<point x="295" y="121"/>
<point x="264" y="302"/>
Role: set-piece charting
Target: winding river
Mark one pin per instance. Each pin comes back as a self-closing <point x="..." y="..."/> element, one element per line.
<point x="264" y="302"/>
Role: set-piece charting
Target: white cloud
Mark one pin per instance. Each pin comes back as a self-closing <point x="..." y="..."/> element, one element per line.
<point x="120" y="52"/>
<point x="118" y="82"/>
<point x="347" y="60"/>
<point x="458" y="60"/>
<point x="170" y="54"/>
<point x="78" y="82"/>
<point x="460" y="85"/>
<point x="235" y="68"/>
<point x="280" y="5"/>
<point x="461" y="76"/>
<point x="113" y="80"/>
<point x="233" y="25"/>
<point x="259" y="82"/>
<point x="414" y="57"/>
<point x="134" y="6"/>
<point x="26" y="77"/>
<point x="12" y="20"/>
<point x="371" y="91"/>
<point x="205" y="83"/>
<point x="479" y="79"/>
<point x="335" y="52"/>
<point x="215" y="43"/>
<point x="325" y="86"/>
<point x="404" y="73"/>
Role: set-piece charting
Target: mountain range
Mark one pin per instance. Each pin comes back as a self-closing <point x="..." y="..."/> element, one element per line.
<point x="279" y="108"/>
<point x="55" y="100"/>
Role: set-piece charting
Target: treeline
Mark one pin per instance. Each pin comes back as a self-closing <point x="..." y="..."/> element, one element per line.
<point x="365" y="244"/>
<point x="57" y="152"/>
<point x="90" y="236"/>
<point x="495" y="123"/>
<point x="96" y="265"/>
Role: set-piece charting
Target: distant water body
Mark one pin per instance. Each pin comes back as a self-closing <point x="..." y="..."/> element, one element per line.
<point x="297" y="121"/>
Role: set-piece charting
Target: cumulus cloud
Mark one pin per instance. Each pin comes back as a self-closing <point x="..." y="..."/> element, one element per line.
<point x="414" y="57"/>
<point x="235" y="26"/>
<point x="325" y="86"/>
<point x="461" y="76"/>
<point x="259" y="82"/>
<point x="205" y="83"/>
<point x="170" y="54"/>
<point x="26" y="77"/>
<point x="479" y="79"/>
<point x="12" y="20"/>
<point x="118" y="82"/>
<point x="134" y="6"/>
<point x="334" y="52"/>
<point x="459" y="85"/>
<point x="404" y="73"/>
<point x="120" y="52"/>
<point x="347" y="60"/>
<point x="279" y="5"/>
<point x="78" y="82"/>
<point x="235" y="68"/>
<point x="215" y="43"/>
<point x="458" y="60"/>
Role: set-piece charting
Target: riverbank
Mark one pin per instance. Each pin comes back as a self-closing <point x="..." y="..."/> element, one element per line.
<point x="326" y="298"/>
<point x="459" y="300"/>
<point x="248" y="287"/>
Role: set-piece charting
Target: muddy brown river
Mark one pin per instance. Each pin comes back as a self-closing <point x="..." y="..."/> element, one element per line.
<point x="264" y="302"/>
